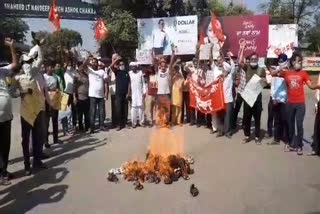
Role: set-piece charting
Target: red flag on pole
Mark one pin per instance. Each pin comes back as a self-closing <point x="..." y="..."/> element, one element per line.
<point x="101" y="31"/>
<point x="54" y="17"/>
<point x="216" y="27"/>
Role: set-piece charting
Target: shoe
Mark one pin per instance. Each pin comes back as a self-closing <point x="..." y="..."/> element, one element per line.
<point x="47" y="145"/>
<point x="258" y="141"/>
<point x="300" y="151"/>
<point x="58" y="142"/>
<point x="44" y="156"/>
<point x="313" y="153"/>
<point x="7" y="175"/>
<point x="220" y="134"/>
<point x="142" y="126"/>
<point x="274" y="142"/>
<point x="198" y="125"/>
<point x="268" y="136"/>
<point x="228" y="135"/>
<point x="192" y="124"/>
<point x="91" y="131"/>
<point x="118" y="129"/>
<point x="134" y="126"/>
<point x="246" y="140"/>
<point x="103" y="129"/>
<point x="27" y="172"/>
<point x="213" y="132"/>
<point x="4" y="181"/>
<point x="40" y="166"/>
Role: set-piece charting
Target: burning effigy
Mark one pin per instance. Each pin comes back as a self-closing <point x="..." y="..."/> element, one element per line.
<point x="165" y="161"/>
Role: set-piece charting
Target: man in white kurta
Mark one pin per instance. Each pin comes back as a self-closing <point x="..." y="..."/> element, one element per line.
<point x="138" y="91"/>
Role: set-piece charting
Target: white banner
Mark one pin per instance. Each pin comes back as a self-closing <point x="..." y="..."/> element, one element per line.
<point x="282" y="39"/>
<point x="159" y="34"/>
<point x="252" y="90"/>
<point x="144" y="57"/>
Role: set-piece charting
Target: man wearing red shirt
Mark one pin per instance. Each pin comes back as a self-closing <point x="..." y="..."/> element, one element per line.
<point x="295" y="79"/>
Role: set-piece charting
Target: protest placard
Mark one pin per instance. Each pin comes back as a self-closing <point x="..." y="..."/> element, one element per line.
<point x="250" y="29"/>
<point x="252" y="90"/>
<point x="282" y="39"/>
<point x="279" y="90"/>
<point x="159" y="34"/>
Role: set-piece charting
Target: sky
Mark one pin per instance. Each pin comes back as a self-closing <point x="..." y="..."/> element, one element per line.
<point x="254" y="5"/>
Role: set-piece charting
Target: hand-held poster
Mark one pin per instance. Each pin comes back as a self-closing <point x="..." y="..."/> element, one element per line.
<point x="160" y="34"/>
<point x="253" y="30"/>
<point x="252" y="90"/>
<point x="282" y="39"/>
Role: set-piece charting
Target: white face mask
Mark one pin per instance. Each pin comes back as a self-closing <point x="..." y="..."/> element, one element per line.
<point x="69" y="68"/>
<point x="26" y="68"/>
<point x="283" y="64"/>
<point x="122" y="67"/>
<point x="297" y="66"/>
<point x="253" y="64"/>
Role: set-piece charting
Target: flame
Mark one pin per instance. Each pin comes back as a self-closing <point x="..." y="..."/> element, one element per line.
<point x="165" y="160"/>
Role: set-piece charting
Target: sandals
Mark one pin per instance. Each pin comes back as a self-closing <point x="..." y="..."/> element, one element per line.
<point x="246" y="140"/>
<point x="299" y="151"/>
<point x="313" y="153"/>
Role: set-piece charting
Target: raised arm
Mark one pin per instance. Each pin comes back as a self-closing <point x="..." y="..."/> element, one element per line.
<point x="173" y="58"/>
<point x="241" y="59"/>
<point x="10" y="43"/>
<point x="312" y="86"/>
<point x="38" y="62"/>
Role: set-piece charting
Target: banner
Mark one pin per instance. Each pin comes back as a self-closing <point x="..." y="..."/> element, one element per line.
<point x="160" y="34"/>
<point x="71" y="9"/>
<point x="282" y="39"/>
<point x="252" y="90"/>
<point x="250" y="29"/>
<point x="311" y="63"/>
<point x="209" y="99"/>
<point x="144" y="57"/>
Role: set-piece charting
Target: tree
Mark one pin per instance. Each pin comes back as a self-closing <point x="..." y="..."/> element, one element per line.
<point x="313" y="36"/>
<point x="58" y="44"/>
<point x="123" y="36"/>
<point x="14" y="28"/>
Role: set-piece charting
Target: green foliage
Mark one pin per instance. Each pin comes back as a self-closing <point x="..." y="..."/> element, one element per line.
<point x="313" y="36"/>
<point x="122" y="29"/>
<point x="14" y="28"/>
<point x="58" y="44"/>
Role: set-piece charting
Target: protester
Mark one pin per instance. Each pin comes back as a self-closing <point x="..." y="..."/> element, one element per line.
<point x="29" y="90"/>
<point x="186" y="111"/>
<point x="122" y="91"/>
<point x="164" y="86"/>
<point x="6" y="115"/>
<point x="112" y="92"/>
<point x="256" y="110"/>
<point x="295" y="79"/>
<point x="278" y="126"/>
<point x="316" y="131"/>
<point x="151" y="95"/>
<point x="97" y="92"/>
<point x="53" y="84"/>
<point x="82" y="99"/>
<point x="178" y="83"/>
<point x="69" y="77"/>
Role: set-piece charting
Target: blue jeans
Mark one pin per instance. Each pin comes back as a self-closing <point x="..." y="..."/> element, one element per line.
<point x="295" y="115"/>
<point x="96" y="104"/>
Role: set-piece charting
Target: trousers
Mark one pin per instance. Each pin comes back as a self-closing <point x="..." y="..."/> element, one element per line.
<point x="39" y="133"/>
<point x="53" y="115"/>
<point x="122" y="109"/>
<point x="176" y="112"/>
<point x="96" y="104"/>
<point x="296" y="113"/>
<point x="185" y="108"/>
<point x="254" y="111"/>
<point x="237" y="107"/>
<point x="83" y="114"/>
<point x="137" y="112"/>
<point x="5" y="133"/>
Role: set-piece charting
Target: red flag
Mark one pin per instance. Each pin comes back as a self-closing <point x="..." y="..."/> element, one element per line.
<point x="101" y="30"/>
<point x="216" y="27"/>
<point x="54" y="17"/>
<point x="209" y="99"/>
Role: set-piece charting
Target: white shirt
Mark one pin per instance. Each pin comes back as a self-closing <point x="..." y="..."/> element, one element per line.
<point x="159" y="38"/>
<point x="138" y="88"/>
<point x="5" y="99"/>
<point x="112" y="83"/>
<point x="51" y="82"/>
<point x="69" y="77"/>
<point x="164" y="80"/>
<point x="228" y="82"/>
<point x="96" y="82"/>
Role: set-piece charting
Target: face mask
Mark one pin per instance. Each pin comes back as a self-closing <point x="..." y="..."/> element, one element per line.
<point x="26" y="68"/>
<point x="253" y="64"/>
<point x="297" y="66"/>
<point x="283" y="64"/>
<point x="69" y="68"/>
<point x="121" y="67"/>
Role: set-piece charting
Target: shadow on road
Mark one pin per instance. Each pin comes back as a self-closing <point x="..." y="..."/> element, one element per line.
<point x="29" y="193"/>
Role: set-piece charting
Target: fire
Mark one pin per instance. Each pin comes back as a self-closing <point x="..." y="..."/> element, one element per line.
<point x="165" y="160"/>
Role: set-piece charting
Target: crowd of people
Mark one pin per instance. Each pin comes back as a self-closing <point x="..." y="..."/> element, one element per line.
<point x="156" y="95"/>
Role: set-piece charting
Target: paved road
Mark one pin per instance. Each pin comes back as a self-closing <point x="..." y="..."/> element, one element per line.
<point x="231" y="177"/>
